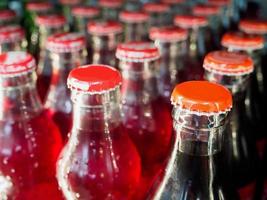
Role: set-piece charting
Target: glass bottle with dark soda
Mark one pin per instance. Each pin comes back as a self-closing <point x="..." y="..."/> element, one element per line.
<point x="195" y="169"/>
<point x="233" y="70"/>
<point x="135" y="25"/>
<point x="11" y="38"/>
<point x="110" y="9"/>
<point x="196" y="45"/>
<point x="48" y="25"/>
<point x="105" y="36"/>
<point x="255" y="105"/>
<point x="29" y="140"/>
<point x="7" y="17"/>
<point x="67" y="51"/>
<point x="99" y="161"/>
<point x="159" y="14"/>
<point x="171" y="42"/>
<point x="146" y="115"/>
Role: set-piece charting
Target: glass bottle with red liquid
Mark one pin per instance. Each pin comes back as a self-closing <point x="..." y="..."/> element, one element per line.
<point x="29" y="140"/>
<point x="48" y="25"/>
<point x="195" y="169"/>
<point x="195" y="46"/>
<point x="255" y="105"/>
<point x="171" y="42"/>
<point x="233" y="70"/>
<point x="110" y="9"/>
<point x="159" y="14"/>
<point x="135" y="25"/>
<point x="82" y="16"/>
<point x="146" y="115"/>
<point x="11" y="38"/>
<point x="99" y="160"/>
<point x="67" y="51"/>
<point x="105" y="36"/>
<point x="7" y="17"/>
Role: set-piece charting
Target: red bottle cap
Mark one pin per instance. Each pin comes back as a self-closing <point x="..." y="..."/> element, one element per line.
<point x="51" y="20"/>
<point x="156" y="7"/>
<point x="7" y="14"/>
<point x="137" y="52"/>
<point x="253" y="26"/>
<point x="242" y="41"/>
<point x="94" y="78"/>
<point x="133" y="16"/>
<point x="39" y="6"/>
<point x="206" y="10"/>
<point x="168" y="34"/>
<point x="202" y="97"/>
<point x="11" y="33"/>
<point x="190" y="21"/>
<point x="173" y="1"/>
<point x="16" y="63"/>
<point x="104" y="27"/>
<point x="110" y="3"/>
<point x="66" y="42"/>
<point x="228" y="63"/>
<point x="70" y="2"/>
<point x="85" y="11"/>
<point x="219" y="2"/>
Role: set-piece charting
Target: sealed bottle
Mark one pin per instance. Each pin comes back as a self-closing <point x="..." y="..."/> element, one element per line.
<point x="99" y="160"/>
<point x="105" y="36"/>
<point x="158" y="14"/>
<point x="135" y="25"/>
<point x="110" y="9"/>
<point x="196" y="44"/>
<point x="146" y="115"/>
<point x="195" y="169"/>
<point x="67" y="51"/>
<point x="7" y="17"/>
<point x="11" y="38"/>
<point x="47" y="25"/>
<point x="233" y="71"/>
<point x="29" y="140"/>
<point x="255" y="105"/>
<point x="171" y="42"/>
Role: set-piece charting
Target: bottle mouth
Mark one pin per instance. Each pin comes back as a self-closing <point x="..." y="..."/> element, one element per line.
<point x="133" y="17"/>
<point x="253" y="27"/>
<point x="52" y="21"/>
<point x="85" y="11"/>
<point x="102" y="28"/>
<point x="206" y="10"/>
<point x="156" y="7"/>
<point x="39" y="6"/>
<point x="190" y="21"/>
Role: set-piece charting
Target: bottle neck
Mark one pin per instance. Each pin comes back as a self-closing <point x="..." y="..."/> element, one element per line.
<point x="196" y="42"/>
<point x="19" y="97"/>
<point x="11" y="46"/>
<point x="157" y="19"/>
<point x="80" y="23"/>
<point x="110" y="13"/>
<point x="135" y="32"/>
<point x="97" y="112"/>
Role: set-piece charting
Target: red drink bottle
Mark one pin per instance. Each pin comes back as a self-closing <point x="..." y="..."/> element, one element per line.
<point x="146" y="115"/>
<point x="135" y="25"/>
<point x="195" y="47"/>
<point x="233" y="70"/>
<point x="11" y="38"/>
<point x="158" y="14"/>
<point x="171" y="42"/>
<point x="67" y="51"/>
<point x="99" y="160"/>
<point x="48" y="25"/>
<point x="7" y="17"/>
<point x="195" y="168"/>
<point x="255" y="105"/>
<point x="105" y="35"/>
<point x="29" y="140"/>
<point x="110" y="9"/>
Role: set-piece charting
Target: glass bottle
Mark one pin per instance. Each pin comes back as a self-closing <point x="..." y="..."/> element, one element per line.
<point x="178" y="7"/>
<point x="195" y="169"/>
<point x="7" y="17"/>
<point x="135" y="25"/>
<point x="67" y="51"/>
<point x="105" y="36"/>
<point x="196" y="46"/>
<point x="171" y="42"/>
<point x="99" y="161"/>
<point x="233" y="70"/>
<point x="29" y="140"/>
<point x="110" y="9"/>
<point x="11" y="38"/>
<point x="82" y="16"/>
<point x="47" y="25"/>
<point x="146" y="115"/>
<point x="252" y="45"/>
<point x="159" y="14"/>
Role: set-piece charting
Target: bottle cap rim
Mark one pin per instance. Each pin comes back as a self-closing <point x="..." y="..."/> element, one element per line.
<point x="39" y="6"/>
<point x="104" y="27"/>
<point x="168" y="34"/>
<point x="253" y="26"/>
<point x="133" y="16"/>
<point x="7" y="14"/>
<point x="190" y="21"/>
<point x="51" y="20"/>
<point x="11" y="33"/>
<point x="206" y="10"/>
<point x="156" y="7"/>
<point x="219" y="2"/>
<point x="172" y="1"/>
<point x="70" y="2"/>
<point x="85" y="11"/>
<point x="111" y="3"/>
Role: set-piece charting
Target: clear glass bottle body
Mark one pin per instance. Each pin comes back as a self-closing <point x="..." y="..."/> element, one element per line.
<point x="13" y="46"/>
<point x="135" y="31"/>
<point x="110" y="13"/>
<point x="99" y="161"/>
<point x="30" y="142"/>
